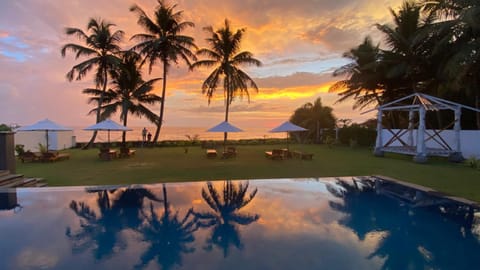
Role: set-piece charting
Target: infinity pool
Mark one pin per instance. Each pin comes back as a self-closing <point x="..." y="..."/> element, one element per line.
<point x="341" y="223"/>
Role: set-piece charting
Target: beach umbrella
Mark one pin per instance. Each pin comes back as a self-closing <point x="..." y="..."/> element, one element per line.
<point x="288" y="127"/>
<point x="107" y="125"/>
<point x="224" y="127"/>
<point x="44" y="125"/>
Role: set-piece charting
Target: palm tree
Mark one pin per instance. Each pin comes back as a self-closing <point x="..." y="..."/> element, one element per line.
<point x="101" y="45"/>
<point x="410" y="45"/>
<point x="130" y="93"/>
<point x="224" y="54"/>
<point x="460" y="47"/>
<point x="363" y="80"/>
<point x="314" y="116"/>
<point x="163" y="42"/>
<point x="225" y="215"/>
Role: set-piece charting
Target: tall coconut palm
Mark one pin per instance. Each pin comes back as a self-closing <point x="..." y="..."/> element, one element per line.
<point x="363" y="77"/>
<point x="410" y="44"/>
<point x="460" y="46"/>
<point x="129" y="93"/>
<point x="224" y="54"/>
<point x="102" y="47"/>
<point x="163" y="42"/>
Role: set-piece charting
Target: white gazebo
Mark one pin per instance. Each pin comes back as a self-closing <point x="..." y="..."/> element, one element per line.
<point x="403" y="141"/>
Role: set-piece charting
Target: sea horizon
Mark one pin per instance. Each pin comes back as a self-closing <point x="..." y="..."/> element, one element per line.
<point x="175" y="133"/>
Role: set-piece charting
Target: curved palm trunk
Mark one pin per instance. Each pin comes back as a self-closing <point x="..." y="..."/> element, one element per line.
<point x="124" y="135"/>
<point x="100" y="102"/>
<point x="225" y="134"/>
<point x="162" y="102"/>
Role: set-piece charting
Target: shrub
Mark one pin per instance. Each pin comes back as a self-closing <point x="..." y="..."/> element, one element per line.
<point x="363" y="136"/>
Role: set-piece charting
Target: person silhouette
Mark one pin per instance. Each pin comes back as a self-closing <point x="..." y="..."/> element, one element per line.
<point x="144" y="134"/>
<point x="149" y="136"/>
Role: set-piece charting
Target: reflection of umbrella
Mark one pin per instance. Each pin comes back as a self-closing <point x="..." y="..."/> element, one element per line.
<point x="287" y="127"/>
<point x="44" y="125"/>
<point x="108" y="125"/>
<point x="224" y="127"/>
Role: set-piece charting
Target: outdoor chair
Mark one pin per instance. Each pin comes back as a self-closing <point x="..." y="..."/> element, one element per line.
<point x="126" y="152"/>
<point x="54" y="156"/>
<point x="230" y="153"/>
<point x="107" y="154"/>
<point x="211" y="153"/>
<point x="29" y="157"/>
<point x="276" y="154"/>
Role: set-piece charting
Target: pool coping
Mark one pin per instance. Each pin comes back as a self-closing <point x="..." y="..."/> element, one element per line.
<point x="429" y="191"/>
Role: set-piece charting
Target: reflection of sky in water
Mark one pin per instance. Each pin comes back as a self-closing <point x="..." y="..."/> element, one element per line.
<point x="288" y="224"/>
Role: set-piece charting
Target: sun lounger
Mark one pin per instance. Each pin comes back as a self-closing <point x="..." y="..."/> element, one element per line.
<point x="29" y="157"/>
<point x="54" y="156"/>
<point x="107" y="154"/>
<point x="230" y="153"/>
<point x="276" y="154"/>
<point x="211" y="153"/>
<point x="126" y="152"/>
<point x="301" y="155"/>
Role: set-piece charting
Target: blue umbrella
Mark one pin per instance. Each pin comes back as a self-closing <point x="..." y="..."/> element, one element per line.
<point x="288" y="127"/>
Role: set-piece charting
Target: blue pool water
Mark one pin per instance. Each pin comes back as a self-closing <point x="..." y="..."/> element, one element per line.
<point x="343" y="223"/>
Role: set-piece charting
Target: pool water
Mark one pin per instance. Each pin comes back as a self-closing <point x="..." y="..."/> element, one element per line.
<point x="327" y="223"/>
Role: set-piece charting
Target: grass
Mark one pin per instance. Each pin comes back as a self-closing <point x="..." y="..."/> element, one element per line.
<point x="171" y="164"/>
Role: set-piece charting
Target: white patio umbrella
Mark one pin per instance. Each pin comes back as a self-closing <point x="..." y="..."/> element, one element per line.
<point x="44" y="125"/>
<point x="287" y="126"/>
<point x="224" y="127"/>
<point x="108" y="125"/>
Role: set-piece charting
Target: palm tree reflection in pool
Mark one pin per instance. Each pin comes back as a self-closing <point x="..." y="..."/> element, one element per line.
<point x="413" y="237"/>
<point x="225" y="216"/>
<point x="168" y="235"/>
<point x="119" y="209"/>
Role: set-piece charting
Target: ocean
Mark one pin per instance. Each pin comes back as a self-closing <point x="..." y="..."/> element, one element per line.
<point x="176" y="133"/>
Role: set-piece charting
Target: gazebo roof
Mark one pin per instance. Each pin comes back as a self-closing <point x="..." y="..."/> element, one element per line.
<point x="417" y="100"/>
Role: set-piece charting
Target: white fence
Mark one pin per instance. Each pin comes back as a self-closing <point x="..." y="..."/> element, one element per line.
<point x="469" y="140"/>
<point x="57" y="140"/>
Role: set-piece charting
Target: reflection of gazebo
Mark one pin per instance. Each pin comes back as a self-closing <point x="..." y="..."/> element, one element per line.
<point x="419" y="104"/>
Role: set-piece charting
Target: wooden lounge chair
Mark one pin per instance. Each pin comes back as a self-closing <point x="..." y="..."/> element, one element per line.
<point x="54" y="156"/>
<point x="276" y="154"/>
<point x="29" y="157"/>
<point x="230" y="153"/>
<point x="126" y="152"/>
<point x="301" y="155"/>
<point x="107" y="154"/>
<point x="211" y="153"/>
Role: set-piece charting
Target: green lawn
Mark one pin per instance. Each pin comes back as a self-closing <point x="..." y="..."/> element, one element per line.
<point x="171" y="164"/>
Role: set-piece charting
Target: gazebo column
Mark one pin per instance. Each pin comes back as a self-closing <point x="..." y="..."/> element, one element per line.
<point x="379" y="143"/>
<point x="457" y="155"/>
<point x="421" y="156"/>
<point x="411" y="115"/>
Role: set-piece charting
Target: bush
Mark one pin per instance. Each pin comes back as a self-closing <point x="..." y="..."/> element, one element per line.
<point x="473" y="162"/>
<point x="357" y="135"/>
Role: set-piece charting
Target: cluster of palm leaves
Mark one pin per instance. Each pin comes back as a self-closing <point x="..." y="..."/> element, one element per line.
<point x="162" y="43"/>
<point x="167" y="233"/>
<point x="433" y="47"/>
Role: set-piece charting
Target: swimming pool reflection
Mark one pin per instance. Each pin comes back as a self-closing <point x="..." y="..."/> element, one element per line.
<point x="168" y="235"/>
<point x="263" y="224"/>
<point x="119" y="209"/>
<point x="225" y="217"/>
<point x="413" y="237"/>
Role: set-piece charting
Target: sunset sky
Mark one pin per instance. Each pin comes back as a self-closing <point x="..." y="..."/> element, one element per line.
<point x="299" y="42"/>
